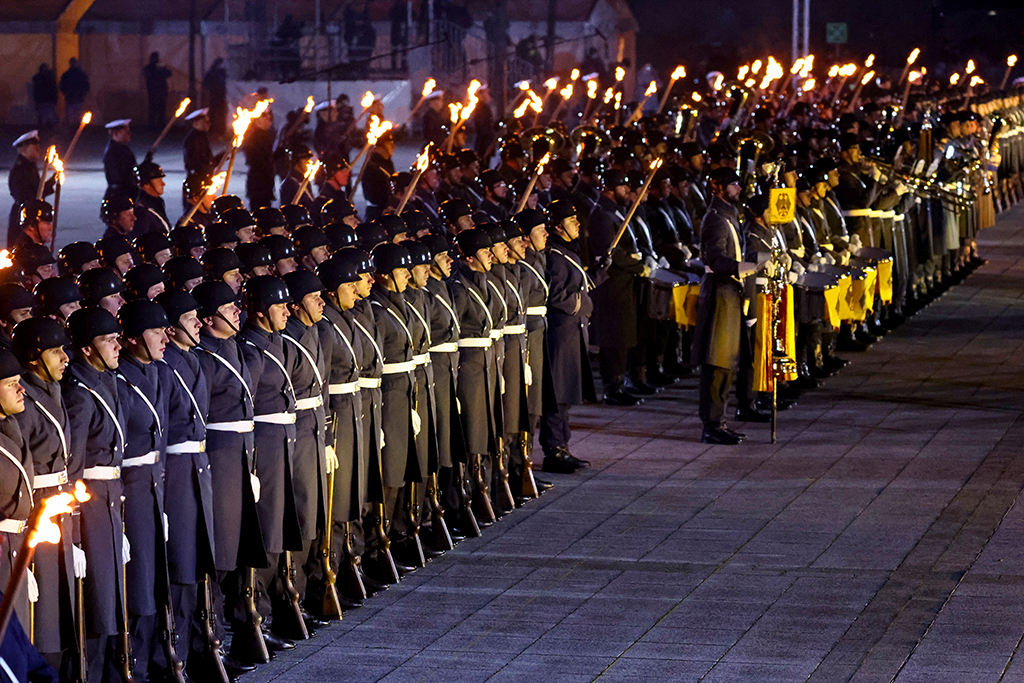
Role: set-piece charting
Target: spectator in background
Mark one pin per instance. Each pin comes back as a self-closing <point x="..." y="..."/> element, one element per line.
<point x="74" y="85"/>
<point x="399" y="35"/>
<point x="483" y="122"/>
<point x="156" y="76"/>
<point x="593" y="64"/>
<point x="215" y="96"/>
<point x="289" y="33"/>
<point x="44" y="94"/>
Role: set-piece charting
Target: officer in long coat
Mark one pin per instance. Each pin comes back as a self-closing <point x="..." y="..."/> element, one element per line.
<point x="150" y="209"/>
<point x="23" y="181"/>
<point x="119" y="161"/>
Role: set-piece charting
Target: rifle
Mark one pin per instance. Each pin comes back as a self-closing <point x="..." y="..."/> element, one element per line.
<point x="81" y="665"/>
<point x="412" y="518"/>
<point x="354" y="577"/>
<point x="211" y="663"/>
<point x="125" y="660"/>
<point x="325" y="587"/>
<point x="175" y="672"/>
<point x="481" y="495"/>
<point x="529" y="483"/>
<point x="248" y="645"/>
<point x="386" y="558"/>
<point x="505" y="491"/>
<point x="442" y="539"/>
<point x="464" y="490"/>
<point x="288" y="621"/>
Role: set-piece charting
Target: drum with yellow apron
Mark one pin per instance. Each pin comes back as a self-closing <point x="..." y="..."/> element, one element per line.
<point x="784" y="328"/>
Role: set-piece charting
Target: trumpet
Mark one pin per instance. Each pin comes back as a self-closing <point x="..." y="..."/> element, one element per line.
<point x="961" y="198"/>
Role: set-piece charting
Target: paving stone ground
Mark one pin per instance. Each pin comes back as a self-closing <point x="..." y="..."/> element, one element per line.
<point x="878" y="540"/>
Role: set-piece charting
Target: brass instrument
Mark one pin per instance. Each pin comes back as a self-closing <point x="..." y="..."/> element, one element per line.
<point x="540" y="140"/>
<point x="590" y="141"/>
<point x="739" y="95"/>
<point x="783" y="366"/>
<point x="750" y="144"/>
<point x="961" y="198"/>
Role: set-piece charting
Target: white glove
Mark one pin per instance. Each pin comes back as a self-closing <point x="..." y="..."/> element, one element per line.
<point x="662" y="262"/>
<point x="650" y="262"/>
<point x="332" y="459"/>
<point x="382" y="438"/>
<point x="78" y="561"/>
<point x="856" y="241"/>
<point x="875" y="173"/>
<point x="646" y="272"/>
<point x="417" y="423"/>
<point x="126" y="550"/>
<point x="254" y="481"/>
<point x="901" y="189"/>
<point x="798" y="252"/>
<point x="167" y="528"/>
<point x="767" y="267"/>
<point x="830" y="259"/>
<point x="787" y="261"/>
<point x="793" y="277"/>
<point x="528" y="374"/>
<point x="458" y="405"/>
<point x="31" y="586"/>
<point x="798" y="268"/>
<point x="687" y="254"/>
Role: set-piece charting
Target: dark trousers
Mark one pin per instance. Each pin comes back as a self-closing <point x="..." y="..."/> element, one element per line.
<point x="145" y="648"/>
<point x="554" y="429"/>
<point x="612" y="365"/>
<point x="715" y="386"/>
<point x="191" y="634"/>
<point x="102" y="655"/>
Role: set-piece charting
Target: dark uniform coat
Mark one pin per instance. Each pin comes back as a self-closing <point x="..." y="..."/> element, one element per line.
<point x="23" y="182"/>
<point x="377" y="184"/>
<point x="119" y="167"/>
<point x="150" y="215"/>
<point x="15" y="506"/>
<point x="534" y="285"/>
<point x="569" y="307"/>
<point x="615" y="302"/>
<point x="720" y="306"/>
<point x="444" y="357"/>
<point x="367" y="342"/>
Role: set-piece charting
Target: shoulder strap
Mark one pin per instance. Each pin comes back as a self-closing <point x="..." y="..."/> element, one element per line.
<point x="107" y="409"/>
<point x="376" y="348"/>
<point x="60" y="431"/>
<point x="21" y="469"/>
<point x="397" y="317"/>
<point x="501" y="297"/>
<point x="278" y="363"/>
<point x="223" y="361"/>
<point x="142" y="395"/>
<point x="480" y="300"/>
<point x="191" y="396"/>
<point x="309" y="357"/>
<point x="423" y="320"/>
<point x="448" y="307"/>
<point x="586" y="278"/>
<point x="543" y="282"/>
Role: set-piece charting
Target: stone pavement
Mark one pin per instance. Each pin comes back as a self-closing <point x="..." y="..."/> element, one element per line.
<point x="877" y="541"/>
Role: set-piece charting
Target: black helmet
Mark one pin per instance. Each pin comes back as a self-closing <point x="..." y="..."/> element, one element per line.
<point x="147" y="171"/>
<point x="225" y="203"/>
<point x="419" y="252"/>
<point x="253" y="255"/>
<point x="392" y="224"/>
<point x="264" y="291"/>
<point x="528" y="219"/>
<point x="472" y="241"/>
<point x="334" y="163"/>
<point x="33" y="336"/>
<point x="218" y="261"/>
<point x="135" y="317"/>
<point x="185" y="238"/>
<point x="151" y="244"/>
<point x="512" y="229"/>
<point x="453" y="209"/>
<point x="195" y="185"/>
<point x="140" y="279"/>
<point x="111" y="248"/>
<point x="9" y="366"/>
<point x="371" y="234"/>
<point x="302" y="282"/>
<point x="345" y="266"/>
<point x="33" y="211"/>
<point x="299" y="152"/>
<point x="238" y="219"/>
<point x="75" y="255"/>
<point x="113" y="205"/>
<point x="513" y="149"/>
<point x="388" y="256"/>
<point x="559" y="210"/>
<point x="219" y="234"/>
<point x="296" y="215"/>
<point x="336" y="210"/>
<point x="340" y="235"/>
<point x="85" y="324"/>
<point x="54" y="292"/>
<point x="12" y="297"/>
<point x="437" y="244"/>
<point x="416" y="221"/>
<point x="176" y="303"/>
<point x="280" y="247"/>
<point x="268" y="218"/>
<point x="490" y="178"/>
<point x="181" y="269"/>
<point x="592" y="166"/>
<point x="495" y="232"/>
<point x="30" y="256"/>
<point x="211" y="296"/>
<point x="97" y="284"/>
<point x="307" y="238"/>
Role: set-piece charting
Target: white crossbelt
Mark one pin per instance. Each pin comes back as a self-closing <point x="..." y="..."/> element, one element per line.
<point x="447" y="347"/>
<point x="536" y="310"/>
<point x="514" y="329"/>
<point x="45" y="481"/>
<point x="343" y="388"/>
<point x="151" y="458"/>
<point x="476" y="342"/>
<point x="187" y="447"/>
<point x="396" y="368"/>
<point x="309" y="403"/>
<point x="857" y="213"/>
<point x="12" y="526"/>
<point x="276" y="418"/>
<point x="102" y="473"/>
<point x="421" y="358"/>
<point x="239" y="426"/>
<point x="369" y="382"/>
<point x="496" y="334"/>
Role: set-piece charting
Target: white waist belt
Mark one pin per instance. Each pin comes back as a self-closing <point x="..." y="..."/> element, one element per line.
<point x="343" y="388"/>
<point x="476" y="342"/>
<point x="899" y="217"/>
<point x="45" y="481"/>
<point x="12" y="526"/>
<point x="887" y="214"/>
<point x="876" y="214"/>
<point x="369" y="382"/>
<point x="856" y="213"/>
<point x="496" y="334"/>
<point x="276" y="418"/>
<point x="187" y="447"/>
<point x="515" y="329"/>
<point x="102" y="472"/>
<point x="447" y="347"/>
<point x="309" y="403"/>
<point x="151" y="458"/>
<point x="239" y="426"/>
<point x="421" y="358"/>
<point x="396" y="368"/>
<point x="537" y="310"/>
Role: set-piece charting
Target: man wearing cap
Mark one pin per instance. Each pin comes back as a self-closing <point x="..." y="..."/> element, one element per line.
<point x="154" y="247"/>
<point x="266" y="301"/>
<point x="238" y="541"/>
<point x="424" y="197"/>
<point x="119" y="161"/>
<point x="188" y="486"/>
<point x="495" y="195"/>
<point x="36" y="224"/>
<point x="98" y="425"/>
<point x="194" y="190"/>
<point x="377" y="176"/>
<point x="311" y="247"/>
<point x="223" y="265"/>
<point x="118" y="213"/>
<point x="199" y="159"/>
<point x="469" y="162"/>
<point x="15" y="305"/>
<point x="144" y="401"/>
<point x="23" y="181"/>
<point x="183" y="272"/>
<point x="457" y="215"/>
<point x="300" y="158"/>
<point x="150" y="211"/>
<point x="334" y="185"/>
<point x="720" y="311"/>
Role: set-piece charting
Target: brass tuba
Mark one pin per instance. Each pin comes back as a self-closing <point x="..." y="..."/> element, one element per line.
<point x="590" y="141"/>
<point x="750" y="144"/>
<point x="540" y="140"/>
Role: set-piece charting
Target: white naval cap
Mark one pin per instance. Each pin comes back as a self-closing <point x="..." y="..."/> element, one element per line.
<point x="31" y="136"/>
<point x="435" y="94"/>
<point x="326" y="104"/>
<point x="197" y="113"/>
<point x="119" y="123"/>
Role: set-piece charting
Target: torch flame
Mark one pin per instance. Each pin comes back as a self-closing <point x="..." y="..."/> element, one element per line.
<point x="454" y="108"/>
<point x="474" y="85"/>
<point x="51" y="154"/>
<point x="311" y="169"/>
<point x="310" y="103"/>
<point x="367" y="100"/>
<point x="423" y="160"/>
<point x="805" y="70"/>
<point x="742" y="73"/>
<point x="81" y="493"/>
<point x="834" y="71"/>
<point x="377" y="128"/>
<point x="797" y="66"/>
<point x="867" y="78"/>
<point x="543" y="162"/>
<point x="49" y="531"/>
<point x="523" y="85"/>
<point x="749" y="82"/>
<point x="182" y="107"/>
<point x="756" y="66"/>
<point x="808" y="85"/>
<point x="1011" y="60"/>
<point x="976" y="80"/>
<point x="216" y="183"/>
<point x="243" y="117"/>
<point x="913" y="55"/>
<point x="970" y="66"/>
<point x="608" y="95"/>
<point x="695" y="96"/>
<point x="428" y="87"/>
<point x="848" y="70"/>
<point x="86" y="118"/>
<point x="719" y="80"/>
<point x="566" y="92"/>
<point x="915" y="76"/>
<point x="468" y="109"/>
<point x="58" y="166"/>
<point x="765" y="82"/>
<point x="870" y="61"/>
<point x="774" y="69"/>
<point x="651" y="89"/>
<point x="551" y="83"/>
<point x="618" y="99"/>
<point x="656" y="164"/>
<point x="954" y="79"/>
<point x="521" y="109"/>
<point x="5" y="259"/>
<point x="592" y="89"/>
<point x="620" y="73"/>
<point x="680" y="72"/>
<point x="575" y="74"/>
